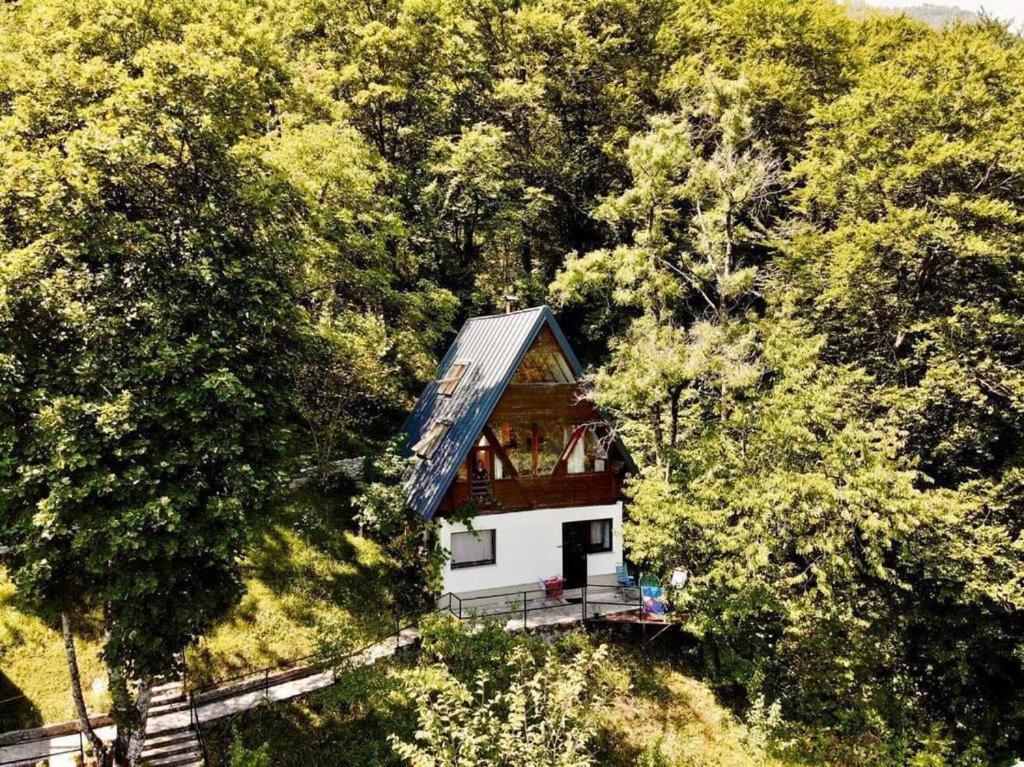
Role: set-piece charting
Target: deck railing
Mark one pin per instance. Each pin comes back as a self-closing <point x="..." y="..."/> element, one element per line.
<point x="593" y="599"/>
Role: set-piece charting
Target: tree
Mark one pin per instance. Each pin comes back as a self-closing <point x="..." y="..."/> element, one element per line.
<point x="147" y="319"/>
<point x="908" y="257"/>
<point x="692" y="229"/>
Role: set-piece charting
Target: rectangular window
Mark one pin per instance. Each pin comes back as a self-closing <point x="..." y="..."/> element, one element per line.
<point x="431" y="439"/>
<point x="472" y="549"/>
<point x="599" y="535"/>
<point x="450" y="382"/>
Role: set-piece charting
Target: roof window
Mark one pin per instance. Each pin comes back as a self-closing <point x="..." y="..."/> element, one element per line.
<point x="431" y="439"/>
<point x="449" y="383"/>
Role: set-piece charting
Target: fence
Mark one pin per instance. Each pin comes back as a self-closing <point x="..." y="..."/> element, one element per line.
<point x="592" y="600"/>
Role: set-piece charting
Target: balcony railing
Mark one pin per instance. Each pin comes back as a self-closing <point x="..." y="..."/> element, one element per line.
<point x="537" y="492"/>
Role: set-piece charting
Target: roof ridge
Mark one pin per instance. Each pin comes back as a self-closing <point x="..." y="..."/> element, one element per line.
<point x="539" y="308"/>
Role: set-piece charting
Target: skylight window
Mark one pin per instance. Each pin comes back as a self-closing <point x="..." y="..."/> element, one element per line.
<point x="449" y="383"/>
<point x="431" y="439"/>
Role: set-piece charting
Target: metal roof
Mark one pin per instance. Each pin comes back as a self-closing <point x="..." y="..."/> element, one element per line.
<point x="493" y="346"/>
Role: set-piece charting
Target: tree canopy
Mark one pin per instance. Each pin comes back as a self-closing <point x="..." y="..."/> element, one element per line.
<point x="786" y="238"/>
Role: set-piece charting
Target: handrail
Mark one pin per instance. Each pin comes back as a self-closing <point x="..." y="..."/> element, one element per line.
<point x="320" y="658"/>
<point x="193" y="720"/>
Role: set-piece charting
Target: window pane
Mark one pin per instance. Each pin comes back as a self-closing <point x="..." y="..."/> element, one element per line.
<point x="431" y="439"/>
<point x="515" y="438"/>
<point x="551" y="442"/>
<point x="576" y="463"/>
<point x="472" y="548"/>
<point x="449" y="383"/>
<point x="599" y="535"/>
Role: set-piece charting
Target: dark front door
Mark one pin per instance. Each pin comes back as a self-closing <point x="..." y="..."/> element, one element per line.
<point x="574" y="555"/>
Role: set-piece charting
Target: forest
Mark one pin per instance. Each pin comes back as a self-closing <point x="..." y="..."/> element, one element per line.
<point x="787" y="241"/>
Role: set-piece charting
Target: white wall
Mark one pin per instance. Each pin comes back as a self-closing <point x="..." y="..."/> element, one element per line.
<point x="528" y="547"/>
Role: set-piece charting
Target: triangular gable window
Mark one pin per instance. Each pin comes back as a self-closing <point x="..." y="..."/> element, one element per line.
<point x="449" y="383"/>
<point x="431" y="439"/>
<point x="544" y="362"/>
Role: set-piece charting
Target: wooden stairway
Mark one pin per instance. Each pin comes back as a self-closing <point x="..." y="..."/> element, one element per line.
<point x="178" y="747"/>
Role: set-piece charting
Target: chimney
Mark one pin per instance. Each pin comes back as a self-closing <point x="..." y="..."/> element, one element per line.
<point x="511" y="304"/>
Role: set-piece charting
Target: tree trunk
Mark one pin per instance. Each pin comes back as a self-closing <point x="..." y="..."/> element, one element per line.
<point x="98" y="748"/>
<point x="123" y="713"/>
<point x="138" y="736"/>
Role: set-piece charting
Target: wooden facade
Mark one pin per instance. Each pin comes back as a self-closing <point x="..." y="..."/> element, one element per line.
<point x="550" y="412"/>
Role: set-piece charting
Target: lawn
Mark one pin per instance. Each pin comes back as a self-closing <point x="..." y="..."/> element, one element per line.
<point x="33" y="669"/>
<point x="308" y="579"/>
<point x="668" y="717"/>
<point x="302" y="589"/>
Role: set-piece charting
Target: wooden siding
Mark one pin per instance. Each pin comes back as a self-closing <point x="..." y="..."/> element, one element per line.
<point x="540" y="492"/>
<point x="544" y="402"/>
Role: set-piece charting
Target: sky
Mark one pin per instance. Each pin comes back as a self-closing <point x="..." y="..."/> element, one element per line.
<point x="1007" y="10"/>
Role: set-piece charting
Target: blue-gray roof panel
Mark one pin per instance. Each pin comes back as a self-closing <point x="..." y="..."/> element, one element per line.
<point x="493" y="346"/>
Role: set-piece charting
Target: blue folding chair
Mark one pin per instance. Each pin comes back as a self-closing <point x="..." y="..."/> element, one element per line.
<point x="625" y="579"/>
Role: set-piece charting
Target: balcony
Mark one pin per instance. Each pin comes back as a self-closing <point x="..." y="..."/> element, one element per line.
<point x="550" y="491"/>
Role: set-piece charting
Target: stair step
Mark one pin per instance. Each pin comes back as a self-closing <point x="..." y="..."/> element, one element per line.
<point x="164" y="734"/>
<point x="194" y="759"/>
<point x="176" y="749"/>
<point x="160" y="741"/>
<point x="171" y="688"/>
<point x="171" y="707"/>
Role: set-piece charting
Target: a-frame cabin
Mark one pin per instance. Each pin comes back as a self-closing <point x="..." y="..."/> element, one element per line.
<point x="506" y="432"/>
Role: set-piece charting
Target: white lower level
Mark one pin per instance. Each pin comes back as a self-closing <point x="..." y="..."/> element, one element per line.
<point x="527" y="547"/>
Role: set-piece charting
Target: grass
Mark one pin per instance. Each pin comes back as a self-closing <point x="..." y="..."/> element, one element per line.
<point x="33" y="665"/>
<point x="307" y="581"/>
<point x="668" y="717"/>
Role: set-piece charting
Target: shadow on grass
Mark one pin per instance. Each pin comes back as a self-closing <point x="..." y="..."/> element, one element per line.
<point x="16" y="711"/>
<point x="288" y="565"/>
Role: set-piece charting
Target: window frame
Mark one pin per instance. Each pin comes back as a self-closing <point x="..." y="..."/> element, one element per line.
<point x="477" y="563"/>
<point x="599" y="548"/>
<point x="432" y="438"/>
<point x="446" y="386"/>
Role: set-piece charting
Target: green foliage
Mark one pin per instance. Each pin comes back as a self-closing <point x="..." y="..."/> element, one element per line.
<point x="148" y="315"/>
<point x="240" y="756"/>
<point x="381" y="511"/>
<point x="545" y="716"/>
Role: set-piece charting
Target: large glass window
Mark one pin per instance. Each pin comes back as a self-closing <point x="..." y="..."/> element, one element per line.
<point x="550" y="444"/>
<point x="473" y="548"/>
<point x="534" y="448"/>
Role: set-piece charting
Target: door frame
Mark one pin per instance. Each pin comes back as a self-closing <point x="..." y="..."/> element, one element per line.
<point x="567" y="573"/>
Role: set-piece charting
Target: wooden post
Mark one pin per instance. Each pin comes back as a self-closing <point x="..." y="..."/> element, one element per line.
<point x="535" y="431"/>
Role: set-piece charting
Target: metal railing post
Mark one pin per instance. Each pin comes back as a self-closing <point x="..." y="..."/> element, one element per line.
<point x="266" y="683"/>
<point x="524" y="611"/>
<point x="81" y="746"/>
<point x="460" y="608"/>
<point x="584" y="602"/>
